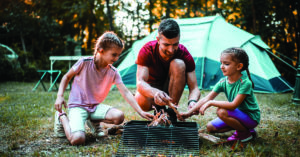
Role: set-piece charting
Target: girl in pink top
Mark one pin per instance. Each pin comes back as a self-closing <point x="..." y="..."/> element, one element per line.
<point x="93" y="78"/>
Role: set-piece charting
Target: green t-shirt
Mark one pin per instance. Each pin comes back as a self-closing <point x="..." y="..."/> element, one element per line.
<point x="242" y="86"/>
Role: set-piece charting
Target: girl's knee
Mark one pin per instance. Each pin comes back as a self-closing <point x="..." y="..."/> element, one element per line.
<point x="115" y="116"/>
<point x="118" y="117"/>
<point x="210" y="128"/>
<point x="78" y="138"/>
<point x="222" y="113"/>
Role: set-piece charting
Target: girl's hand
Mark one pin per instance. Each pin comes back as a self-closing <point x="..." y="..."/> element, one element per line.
<point x="191" y="105"/>
<point x="58" y="103"/>
<point x="146" y="115"/>
<point x="185" y="115"/>
<point x="204" y="107"/>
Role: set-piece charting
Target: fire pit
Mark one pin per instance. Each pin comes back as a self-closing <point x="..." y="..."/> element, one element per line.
<point x="138" y="138"/>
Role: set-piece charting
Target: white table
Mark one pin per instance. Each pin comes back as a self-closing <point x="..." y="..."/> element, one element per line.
<point x="62" y="58"/>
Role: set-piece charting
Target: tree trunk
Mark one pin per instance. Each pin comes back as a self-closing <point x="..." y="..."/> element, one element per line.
<point x="297" y="30"/>
<point x="151" y="20"/>
<point x="24" y="47"/>
<point x="92" y="20"/>
<point x="206" y="8"/>
<point x="195" y="7"/>
<point x="216" y="7"/>
<point x="109" y="15"/>
<point x="138" y="18"/>
<point x="168" y="7"/>
<point x="253" y="17"/>
<point x="188" y="5"/>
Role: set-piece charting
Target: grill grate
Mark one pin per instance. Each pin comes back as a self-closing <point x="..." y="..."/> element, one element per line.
<point x="139" y="139"/>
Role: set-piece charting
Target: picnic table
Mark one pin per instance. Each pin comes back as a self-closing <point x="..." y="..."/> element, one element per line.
<point x="53" y="59"/>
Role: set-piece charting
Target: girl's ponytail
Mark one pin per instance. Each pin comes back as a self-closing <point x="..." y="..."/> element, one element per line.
<point x="248" y="73"/>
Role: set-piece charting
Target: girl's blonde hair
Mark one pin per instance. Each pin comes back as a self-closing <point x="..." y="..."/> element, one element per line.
<point x="108" y="40"/>
<point x="239" y="55"/>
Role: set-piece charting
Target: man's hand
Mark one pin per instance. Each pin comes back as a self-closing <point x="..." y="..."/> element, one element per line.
<point x="58" y="103"/>
<point x="161" y="98"/>
<point x="146" y="115"/>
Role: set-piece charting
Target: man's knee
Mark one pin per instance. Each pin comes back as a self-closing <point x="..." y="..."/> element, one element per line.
<point x="177" y="66"/>
<point x="78" y="138"/>
<point x="143" y="102"/>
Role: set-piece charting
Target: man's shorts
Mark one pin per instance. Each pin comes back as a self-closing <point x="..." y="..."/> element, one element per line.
<point x="78" y="116"/>
<point x="236" y="114"/>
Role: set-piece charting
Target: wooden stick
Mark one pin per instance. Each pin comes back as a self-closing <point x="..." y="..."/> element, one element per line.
<point x="175" y="110"/>
<point x="210" y="138"/>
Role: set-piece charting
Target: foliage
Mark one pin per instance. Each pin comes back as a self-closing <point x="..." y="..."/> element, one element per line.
<point x="41" y="28"/>
<point x="27" y="126"/>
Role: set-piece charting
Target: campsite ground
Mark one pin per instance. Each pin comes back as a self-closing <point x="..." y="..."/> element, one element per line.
<point x="26" y="127"/>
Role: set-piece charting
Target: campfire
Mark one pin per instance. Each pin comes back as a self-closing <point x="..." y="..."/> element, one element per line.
<point x="159" y="137"/>
<point x="161" y="118"/>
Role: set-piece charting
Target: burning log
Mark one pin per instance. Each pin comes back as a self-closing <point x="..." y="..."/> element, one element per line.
<point x="161" y="118"/>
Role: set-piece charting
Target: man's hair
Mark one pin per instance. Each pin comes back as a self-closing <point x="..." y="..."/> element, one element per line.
<point x="169" y="28"/>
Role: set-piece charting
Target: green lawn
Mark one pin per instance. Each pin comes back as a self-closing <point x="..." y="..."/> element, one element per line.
<point x="27" y="126"/>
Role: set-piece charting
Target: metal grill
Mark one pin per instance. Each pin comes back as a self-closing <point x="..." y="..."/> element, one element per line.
<point x="181" y="139"/>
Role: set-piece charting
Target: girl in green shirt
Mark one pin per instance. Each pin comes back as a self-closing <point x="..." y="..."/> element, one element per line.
<point x="241" y="112"/>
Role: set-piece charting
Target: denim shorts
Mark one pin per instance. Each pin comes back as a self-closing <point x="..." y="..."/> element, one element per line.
<point x="236" y="114"/>
<point x="78" y="116"/>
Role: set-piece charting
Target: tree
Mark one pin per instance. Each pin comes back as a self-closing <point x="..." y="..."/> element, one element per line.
<point x="109" y="16"/>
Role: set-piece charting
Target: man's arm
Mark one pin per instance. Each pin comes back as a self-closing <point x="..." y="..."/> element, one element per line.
<point x="160" y="97"/>
<point x="194" y="92"/>
<point x="142" y="86"/>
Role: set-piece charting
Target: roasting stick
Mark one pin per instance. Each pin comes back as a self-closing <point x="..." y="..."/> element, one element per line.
<point x="175" y="110"/>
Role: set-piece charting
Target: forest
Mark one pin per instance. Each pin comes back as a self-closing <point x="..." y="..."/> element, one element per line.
<point x="37" y="29"/>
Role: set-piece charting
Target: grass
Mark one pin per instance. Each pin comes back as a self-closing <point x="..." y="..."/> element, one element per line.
<point x="27" y="117"/>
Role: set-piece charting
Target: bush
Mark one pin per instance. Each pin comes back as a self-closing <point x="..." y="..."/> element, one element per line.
<point x="11" y="70"/>
<point x="6" y="68"/>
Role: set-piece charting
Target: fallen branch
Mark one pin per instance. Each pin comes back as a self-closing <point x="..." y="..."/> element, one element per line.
<point x="210" y="138"/>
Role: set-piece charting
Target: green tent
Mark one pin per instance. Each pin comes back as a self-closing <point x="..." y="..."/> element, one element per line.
<point x="206" y="38"/>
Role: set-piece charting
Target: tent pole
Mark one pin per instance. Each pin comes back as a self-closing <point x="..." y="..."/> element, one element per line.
<point x="296" y="97"/>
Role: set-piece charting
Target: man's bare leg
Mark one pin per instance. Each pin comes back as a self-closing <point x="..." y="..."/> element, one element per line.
<point x="175" y="87"/>
<point x="144" y="102"/>
<point x="177" y="82"/>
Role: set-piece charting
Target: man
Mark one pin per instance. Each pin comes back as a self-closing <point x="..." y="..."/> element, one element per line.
<point x="164" y="67"/>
